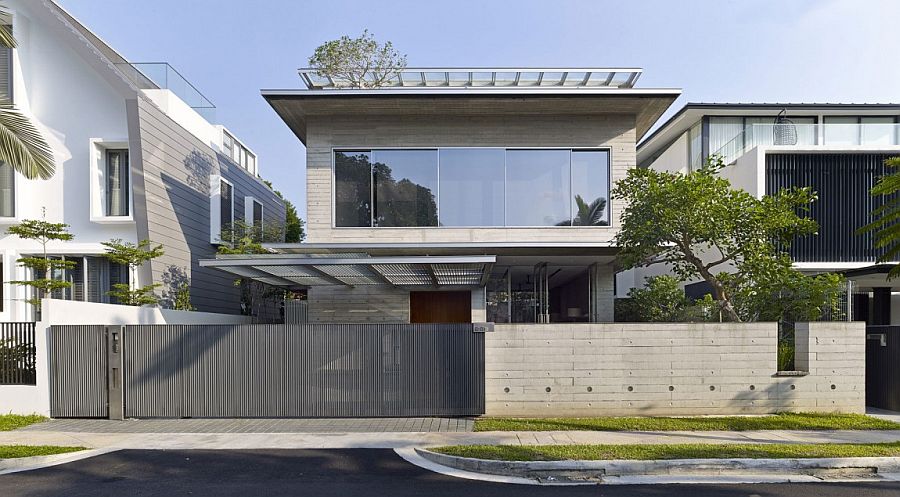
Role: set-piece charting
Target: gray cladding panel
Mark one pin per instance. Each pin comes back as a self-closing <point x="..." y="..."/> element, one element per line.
<point x="303" y="370"/>
<point x="78" y="372"/>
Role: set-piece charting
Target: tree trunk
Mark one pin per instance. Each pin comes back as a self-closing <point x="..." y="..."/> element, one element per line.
<point x="719" y="292"/>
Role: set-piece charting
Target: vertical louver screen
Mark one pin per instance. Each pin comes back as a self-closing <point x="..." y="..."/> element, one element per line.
<point x="844" y="205"/>
<point x="117" y="183"/>
<point x="6" y="72"/>
<point x="7" y="191"/>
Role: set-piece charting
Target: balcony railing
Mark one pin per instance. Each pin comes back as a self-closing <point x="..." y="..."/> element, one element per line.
<point x="808" y="135"/>
<point x="160" y="75"/>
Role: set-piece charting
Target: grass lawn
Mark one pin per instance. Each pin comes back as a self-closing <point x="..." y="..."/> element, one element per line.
<point x="784" y="421"/>
<point x="13" y="421"/>
<point x="11" y="451"/>
<point x="674" y="451"/>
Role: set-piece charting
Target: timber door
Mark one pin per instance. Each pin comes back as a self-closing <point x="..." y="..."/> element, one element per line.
<point x="440" y="307"/>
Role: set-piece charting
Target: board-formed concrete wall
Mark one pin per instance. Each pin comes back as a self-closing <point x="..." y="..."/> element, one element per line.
<point x="670" y="369"/>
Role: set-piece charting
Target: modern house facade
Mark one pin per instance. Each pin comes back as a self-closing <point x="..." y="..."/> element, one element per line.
<point x="460" y="195"/>
<point x="138" y="156"/>
<point x="838" y="150"/>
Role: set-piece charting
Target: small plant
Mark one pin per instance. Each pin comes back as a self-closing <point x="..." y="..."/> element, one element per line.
<point x="133" y="256"/>
<point x="183" y="298"/>
<point x="42" y="267"/>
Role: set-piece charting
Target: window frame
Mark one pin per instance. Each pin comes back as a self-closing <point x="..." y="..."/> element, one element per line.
<point x="369" y="148"/>
<point x="98" y="180"/>
<point x="249" y="205"/>
<point x="215" y="209"/>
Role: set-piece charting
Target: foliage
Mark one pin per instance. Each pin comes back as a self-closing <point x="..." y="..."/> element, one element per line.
<point x="10" y="422"/>
<point x="885" y="226"/>
<point x="786" y="356"/>
<point x="359" y="62"/>
<point x="22" y="145"/>
<point x="661" y="299"/>
<point x="781" y="421"/>
<point x="293" y="225"/>
<point x="702" y="227"/>
<point x="17" y="359"/>
<point x="42" y="267"/>
<point x="14" y="451"/>
<point x="133" y="256"/>
<point x="248" y="239"/>
<point x="182" y="301"/>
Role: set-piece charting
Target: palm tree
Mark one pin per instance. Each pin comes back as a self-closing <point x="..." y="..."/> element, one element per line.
<point x="21" y="144"/>
<point x="592" y="214"/>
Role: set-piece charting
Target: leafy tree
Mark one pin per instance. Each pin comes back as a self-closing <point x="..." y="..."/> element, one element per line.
<point x="133" y="256"/>
<point x="360" y="62"/>
<point x="182" y="301"/>
<point x="661" y="299"/>
<point x="885" y="226"/>
<point x="248" y="239"/>
<point x="42" y="267"/>
<point x="293" y="225"/>
<point x="21" y="144"/>
<point x="703" y="228"/>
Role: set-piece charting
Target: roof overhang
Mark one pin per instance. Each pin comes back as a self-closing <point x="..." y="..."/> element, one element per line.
<point x="556" y="249"/>
<point x="296" y="107"/>
<point x="303" y="271"/>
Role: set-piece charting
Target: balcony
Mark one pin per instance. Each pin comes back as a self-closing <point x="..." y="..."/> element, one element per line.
<point x="162" y="76"/>
<point x="870" y="136"/>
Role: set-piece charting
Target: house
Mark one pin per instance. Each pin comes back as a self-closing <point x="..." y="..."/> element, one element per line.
<point x="139" y="155"/>
<point x="836" y="149"/>
<point x="460" y="194"/>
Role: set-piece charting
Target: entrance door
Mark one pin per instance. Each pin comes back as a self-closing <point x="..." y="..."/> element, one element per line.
<point x="440" y="307"/>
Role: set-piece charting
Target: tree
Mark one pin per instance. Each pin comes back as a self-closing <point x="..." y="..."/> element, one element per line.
<point x="661" y="299"/>
<point x="42" y="267"/>
<point x="885" y="226"/>
<point x="248" y="239"/>
<point x="703" y="228"/>
<point x="359" y="62"/>
<point x="133" y="256"/>
<point x="21" y="144"/>
<point x="182" y="301"/>
<point x="293" y="225"/>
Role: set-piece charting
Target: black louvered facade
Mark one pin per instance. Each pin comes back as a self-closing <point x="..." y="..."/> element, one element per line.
<point x="842" y="182"/>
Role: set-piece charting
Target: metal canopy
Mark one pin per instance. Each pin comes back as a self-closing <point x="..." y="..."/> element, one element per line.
<point x="291" y="270"/>
<point x="431" y="77"/>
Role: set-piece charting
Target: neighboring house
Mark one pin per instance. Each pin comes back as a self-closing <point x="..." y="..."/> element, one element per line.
<point x="838" y="150"/>
<point x="138" y="157"/>
<point x="460" y="195"/>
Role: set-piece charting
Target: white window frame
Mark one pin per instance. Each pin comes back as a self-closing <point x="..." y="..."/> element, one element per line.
<point x="215" y="208"/>
<point x="97" y="171"/>
<point x="248" y="211"/>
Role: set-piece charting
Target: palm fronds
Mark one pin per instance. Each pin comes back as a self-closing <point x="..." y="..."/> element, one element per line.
<point x="22" y="146"/>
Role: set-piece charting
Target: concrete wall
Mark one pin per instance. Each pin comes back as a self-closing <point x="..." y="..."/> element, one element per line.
<point x="670" y="369"/>
<point x="35" y="399"/>
<point x="362" y="304"/>
<point x="616" y="131"/>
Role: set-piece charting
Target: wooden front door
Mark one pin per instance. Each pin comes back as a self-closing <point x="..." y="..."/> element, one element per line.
<point x="440" y="307"/>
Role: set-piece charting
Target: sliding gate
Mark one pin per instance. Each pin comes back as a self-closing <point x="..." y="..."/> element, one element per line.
<point x="302" y="370"/>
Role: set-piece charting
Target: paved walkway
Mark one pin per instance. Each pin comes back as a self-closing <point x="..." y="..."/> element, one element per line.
<point x="344" y="425"/>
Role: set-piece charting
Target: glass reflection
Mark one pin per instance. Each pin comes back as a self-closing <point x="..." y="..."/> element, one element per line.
<point x="405" y="187"/>
<point x="353" y="189"/>
<point x="472" y="189"/>
<point x="537" y="187"/>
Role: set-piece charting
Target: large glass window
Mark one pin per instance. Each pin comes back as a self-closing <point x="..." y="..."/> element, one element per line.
<point x="726" y="136"/>
<point x="878" y="130"/>
<point x="353" y="189"/>
<point x="405" y="187"/>
<point x="226" y="205"/>
<point x="590" y="188"/>
<point x="478" y="187"/>
<point x="537" y="188"/>
<point x="472" y="186"/>
<point x="695" y="146"/>
<point x="7" y="190"/>
<point x="841" y="130"/>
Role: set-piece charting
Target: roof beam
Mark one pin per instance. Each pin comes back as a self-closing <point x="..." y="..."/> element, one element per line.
<point x="292" y="259"/>
<point x="434" y="280"/>
<point x="486" y="274"/>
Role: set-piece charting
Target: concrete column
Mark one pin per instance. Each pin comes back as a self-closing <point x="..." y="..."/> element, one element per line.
<point x="602" y="293"/>
<point x="479" y="305"/>
<point x="881" y="311"/>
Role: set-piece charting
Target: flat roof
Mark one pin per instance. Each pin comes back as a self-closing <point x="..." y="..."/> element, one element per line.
<point x="433" y="78"/>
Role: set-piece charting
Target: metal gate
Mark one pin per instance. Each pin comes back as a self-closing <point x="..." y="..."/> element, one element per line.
<point x="298" y="370"/>
<point x="883" y="367"/>
<point x="78" y="372"/>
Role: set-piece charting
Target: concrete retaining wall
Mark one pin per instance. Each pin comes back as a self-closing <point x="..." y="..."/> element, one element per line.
<point x="670" y="369"/>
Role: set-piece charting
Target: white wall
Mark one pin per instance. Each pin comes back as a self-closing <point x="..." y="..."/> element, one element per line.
<point x="28" y="399"/>
<point x="675" y="158"/>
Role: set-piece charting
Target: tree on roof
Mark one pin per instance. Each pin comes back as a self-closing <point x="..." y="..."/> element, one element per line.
<point x="360" y="62"/>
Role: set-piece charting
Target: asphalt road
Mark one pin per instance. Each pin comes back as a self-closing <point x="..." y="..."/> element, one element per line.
<point x="345" y="473"/>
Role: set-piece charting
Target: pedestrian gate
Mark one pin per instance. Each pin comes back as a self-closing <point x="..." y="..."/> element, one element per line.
<point x="293" y="370"/>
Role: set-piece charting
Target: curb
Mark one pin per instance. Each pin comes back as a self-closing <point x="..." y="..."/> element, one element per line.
<point x="19" y="464"/>
<point x="597" y="471"/>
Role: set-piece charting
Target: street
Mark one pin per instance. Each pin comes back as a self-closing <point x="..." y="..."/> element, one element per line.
<point x="363" y="472"/>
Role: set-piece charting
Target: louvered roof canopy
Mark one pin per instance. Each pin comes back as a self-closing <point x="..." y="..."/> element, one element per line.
<point x="292" y="270"/>
<point x="426" y="78"/>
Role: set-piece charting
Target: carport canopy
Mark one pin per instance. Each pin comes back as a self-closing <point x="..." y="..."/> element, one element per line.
<point x="296" y="271"/>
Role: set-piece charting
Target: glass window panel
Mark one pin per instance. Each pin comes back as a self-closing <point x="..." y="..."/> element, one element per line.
<point x="257" y="215"/>
<point x="7" y="190"/>
<point x="726" y="137"/>
<point x="878" y="130"/>
<point x="590" y="187"/>
<point x="841" y="130"/>
<point x="405" y="187"/>
<point x="352" y="189"/>
<point x="472" y="190"/>
<point x="695" y="153"/>
<point x="117" y="185"/>
<point x="537" y="188"/>
<point x="226" y="205"/>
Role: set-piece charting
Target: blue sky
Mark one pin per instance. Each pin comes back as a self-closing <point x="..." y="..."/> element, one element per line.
<point x="716" y="50"/>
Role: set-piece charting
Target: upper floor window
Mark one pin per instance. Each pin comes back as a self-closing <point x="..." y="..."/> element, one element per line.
<point x="7" y="190"/>
<point x="117" y="182"/>
<point x="476" y="187"/>
<point x="239" y="153"/>
<point x="221" y="210"/>
<point x="253" y="213"/>
<point x="860" y="130"/>
<point x="6" y="70"/>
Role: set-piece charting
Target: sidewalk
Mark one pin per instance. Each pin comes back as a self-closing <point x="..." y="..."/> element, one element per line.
<point x="137" y="438"/>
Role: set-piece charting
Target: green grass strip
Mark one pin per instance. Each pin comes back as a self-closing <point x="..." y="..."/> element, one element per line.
<point x="783" y="421"/>
<point x="671" y="451"/>
<point x="13" y="421"/>
<point x="13" y="451"/>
